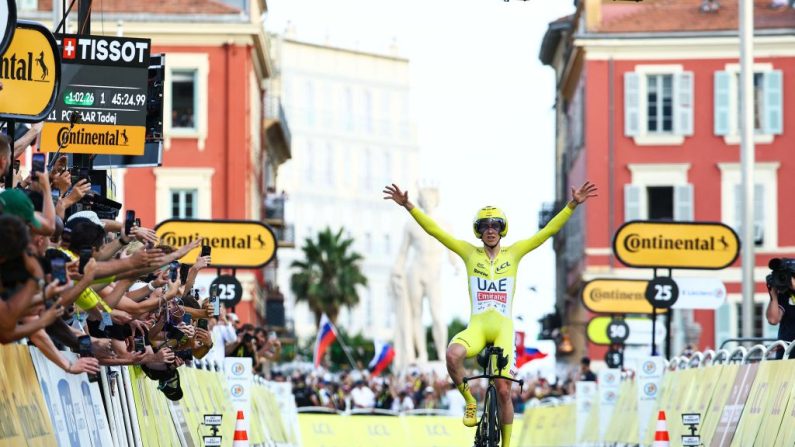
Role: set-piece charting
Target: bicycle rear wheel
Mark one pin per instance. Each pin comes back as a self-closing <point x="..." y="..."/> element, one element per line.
<point x="492" y="419"/>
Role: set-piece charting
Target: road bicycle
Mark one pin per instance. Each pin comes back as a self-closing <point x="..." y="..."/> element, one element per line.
<point x="493" y="362"/>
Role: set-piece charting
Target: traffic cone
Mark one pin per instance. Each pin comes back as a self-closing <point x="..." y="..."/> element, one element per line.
<point x="661" y="435"/>
<point x="241" y="437"/>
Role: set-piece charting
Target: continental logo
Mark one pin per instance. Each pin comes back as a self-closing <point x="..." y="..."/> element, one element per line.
<point x="83" y="136"/>
<point x="696" y="245"/>
<point x="94" y="138"/>
<point x="20" y="67"/>
<point x="634" y="243"/>
<point x="596" y="295"/>
<point x="246" y="242"/>
<point x="235" y="243"/>
<point x="616" y="296"/>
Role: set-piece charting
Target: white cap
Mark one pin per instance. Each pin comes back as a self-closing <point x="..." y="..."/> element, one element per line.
<point x="232" y="317"/>
<point x="87" y="214"/>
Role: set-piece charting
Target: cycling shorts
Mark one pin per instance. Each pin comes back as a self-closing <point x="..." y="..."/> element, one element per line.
<point x="489" y="327"/>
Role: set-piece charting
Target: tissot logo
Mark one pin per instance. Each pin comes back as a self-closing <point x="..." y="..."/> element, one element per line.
<point x="19" y="67"/>
<point x="82" y="136"/>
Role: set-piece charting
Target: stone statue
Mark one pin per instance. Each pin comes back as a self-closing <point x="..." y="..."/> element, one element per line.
<point x="419" y="279"/>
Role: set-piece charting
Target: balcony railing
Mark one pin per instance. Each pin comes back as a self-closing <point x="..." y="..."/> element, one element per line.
<point x="285" y="235"/>
<point x="274" y="207"/>
<point x="274" y="111"/>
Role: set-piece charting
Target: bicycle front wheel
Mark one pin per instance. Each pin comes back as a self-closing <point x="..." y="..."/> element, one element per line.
<point x="492" y="419"/>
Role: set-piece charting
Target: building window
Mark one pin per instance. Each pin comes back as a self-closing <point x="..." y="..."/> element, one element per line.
<point x="368" y="112"/>
<point x="183" y="203"/>
<point x="309" y="104"/>
<point x="767" y="103"/>
<point x="183" y="99"/>
<point x="659" y="101"/>
<point x="658" y="192"/>
<point x="765" y="205"/>
<point x="347" y="109"/>
<point x="660" y="202"/>
<point x="759" y="323"/>
<point x="658" y="104"/>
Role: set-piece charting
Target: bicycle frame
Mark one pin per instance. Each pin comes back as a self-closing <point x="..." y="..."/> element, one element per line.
<point x="493" y="357"/>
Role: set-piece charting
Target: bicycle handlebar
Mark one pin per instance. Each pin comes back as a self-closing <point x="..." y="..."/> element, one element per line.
<point x="490" y="377"/>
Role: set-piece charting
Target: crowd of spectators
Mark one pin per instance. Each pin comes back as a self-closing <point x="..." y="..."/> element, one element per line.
<point x="107" y="289"/>
<point x="358" y="390"/>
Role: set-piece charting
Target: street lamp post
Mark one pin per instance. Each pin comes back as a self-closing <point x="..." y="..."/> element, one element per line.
<point x="747" y="161"/>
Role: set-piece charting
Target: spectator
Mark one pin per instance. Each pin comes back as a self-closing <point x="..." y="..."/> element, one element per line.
<point x="362" y="396"/>
<point x="586" y="374"/>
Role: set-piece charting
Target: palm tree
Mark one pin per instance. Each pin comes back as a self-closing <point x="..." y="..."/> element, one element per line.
<point x="327" y="277"/>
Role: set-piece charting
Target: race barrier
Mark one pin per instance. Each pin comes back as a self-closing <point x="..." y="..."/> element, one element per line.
<point x="41" y="405"/>
<point x="739" y="398"/>
<point x="345" y="430"/>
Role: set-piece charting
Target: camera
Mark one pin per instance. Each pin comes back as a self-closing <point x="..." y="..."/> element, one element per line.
<point x="783" y="269"/>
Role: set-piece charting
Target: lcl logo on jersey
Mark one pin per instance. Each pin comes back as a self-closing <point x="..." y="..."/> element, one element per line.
<point x="502" y="267"/>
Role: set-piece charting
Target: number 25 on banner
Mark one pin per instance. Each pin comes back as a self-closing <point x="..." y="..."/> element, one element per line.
<point x="662" y="292"/>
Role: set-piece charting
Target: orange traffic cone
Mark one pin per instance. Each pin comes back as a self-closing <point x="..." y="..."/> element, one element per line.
<point x="661" y="435"/>
<point x="241" y="437"/>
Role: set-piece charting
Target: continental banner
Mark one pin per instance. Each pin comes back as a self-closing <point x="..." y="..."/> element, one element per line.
<point x="95" y="138"/>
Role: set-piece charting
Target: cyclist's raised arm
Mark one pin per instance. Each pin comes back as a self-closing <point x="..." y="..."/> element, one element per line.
<point x="586" y="191"/>
<point x="459" y="247"/>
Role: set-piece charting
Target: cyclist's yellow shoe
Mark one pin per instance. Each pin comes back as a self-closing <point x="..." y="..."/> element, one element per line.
<point x="470" y="414"/>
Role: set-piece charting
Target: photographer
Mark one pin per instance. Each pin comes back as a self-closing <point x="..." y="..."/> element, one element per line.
<point x="781" y="308"/>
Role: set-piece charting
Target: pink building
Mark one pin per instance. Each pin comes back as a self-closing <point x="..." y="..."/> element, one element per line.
<point x="647" y="108"/>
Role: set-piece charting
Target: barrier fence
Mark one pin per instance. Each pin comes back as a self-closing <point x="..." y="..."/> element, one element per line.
<point x="739" y="398"/>
<point x="41" y="405"/>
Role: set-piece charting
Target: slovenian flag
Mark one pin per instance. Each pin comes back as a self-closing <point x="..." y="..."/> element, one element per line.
<point x="384" y="353"/>
<point x="528" y="355"/>
<point x="326" y="334"/>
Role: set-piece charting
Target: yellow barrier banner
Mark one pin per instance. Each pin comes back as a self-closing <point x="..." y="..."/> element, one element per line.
<point x="720" y="396"/>
<point x="786" y="431"/>
<point x="755" y="405"/>
<point x="780" y="373"/>
<point x="730" y="416"/>
<point x="23" y="412"/>
<point x="331" y="430"/>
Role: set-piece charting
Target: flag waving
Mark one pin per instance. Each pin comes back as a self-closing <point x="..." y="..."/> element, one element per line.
<point x="326" y="334"/>
<point x="384" y="353"/>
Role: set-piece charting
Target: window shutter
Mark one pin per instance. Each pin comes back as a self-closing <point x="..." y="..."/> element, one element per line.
<point x="773" y="110"/>
<point x="722" y="323"/>
<point x="721" y="103"/>
<point x="683" y="202"/>
<point x="759" y="213"/>
<point x="631" y="202"/>
<point x="683" y="103"/>
<point x="631" y="104"/>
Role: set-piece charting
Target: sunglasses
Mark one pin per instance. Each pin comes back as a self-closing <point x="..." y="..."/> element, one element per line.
<point x="494" y="224"/>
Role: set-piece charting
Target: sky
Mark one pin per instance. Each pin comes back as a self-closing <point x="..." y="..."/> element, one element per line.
<point x="483" y="105"/>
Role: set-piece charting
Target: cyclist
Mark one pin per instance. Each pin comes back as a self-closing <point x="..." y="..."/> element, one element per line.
<point x="491" y="272"/>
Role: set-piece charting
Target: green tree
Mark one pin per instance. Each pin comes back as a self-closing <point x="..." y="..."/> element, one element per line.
<point x="328" y="275"/>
